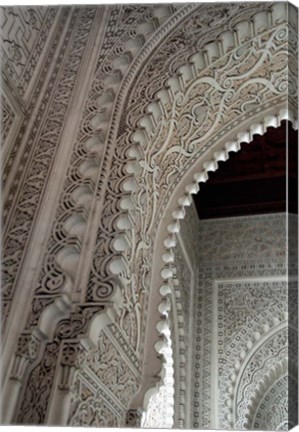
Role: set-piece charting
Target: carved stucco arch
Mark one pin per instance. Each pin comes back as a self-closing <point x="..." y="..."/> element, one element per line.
<point x="68" y="257"/>
<point x="114" y="266"/>
<point x="163" y="270"/>
<point x="121" y="222"/>
<point x="273" y="112"/>
<point x="75" y="225"/>
<point x="98" y="146"/>
<point x="61" y="262"/>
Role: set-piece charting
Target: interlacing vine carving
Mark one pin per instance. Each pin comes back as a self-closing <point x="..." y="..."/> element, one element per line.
<point x="173" y="89"/>
<point x="176" y="120"/>
<point x="40" y="380"/>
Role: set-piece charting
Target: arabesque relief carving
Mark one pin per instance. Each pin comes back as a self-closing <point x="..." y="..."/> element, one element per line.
<point x="122" y="112"/>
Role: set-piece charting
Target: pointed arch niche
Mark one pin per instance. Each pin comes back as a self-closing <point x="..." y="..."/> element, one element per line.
<point x="234" y="334"/>
<point x="221" y="97"/>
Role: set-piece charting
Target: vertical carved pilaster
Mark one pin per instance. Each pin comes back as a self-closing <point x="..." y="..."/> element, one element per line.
<point x="27" y="351"/>
<point x="71" y="351"/>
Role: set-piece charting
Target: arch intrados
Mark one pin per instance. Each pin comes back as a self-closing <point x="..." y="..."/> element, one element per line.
<point x="175" y="211"/>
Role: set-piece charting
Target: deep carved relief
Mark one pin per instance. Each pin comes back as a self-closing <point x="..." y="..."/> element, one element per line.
<point x="33" y="185"/>
<point x="162" y="166"/>
<point x="94" y="413"/>
<point x="122" y="172"/>
<point x="7" y="118"/>
<point x="24" y="35"/>
<point x="41" y="379"/>
<point x="247" y="309"/>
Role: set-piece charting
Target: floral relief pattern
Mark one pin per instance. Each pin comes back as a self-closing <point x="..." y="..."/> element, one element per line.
<point x="251" y="292"/>
<point x="153" y="109"/>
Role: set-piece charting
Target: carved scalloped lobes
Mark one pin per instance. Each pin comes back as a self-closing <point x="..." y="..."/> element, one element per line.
<point x="178" y="83"/>
<point x="149" y="122"/>
<point x="167" y="272"/>
<point x="83" y="194"/>
<point x="99" y="123"/>
<point x="156" y="109"/>
<point x="169" y="242"/>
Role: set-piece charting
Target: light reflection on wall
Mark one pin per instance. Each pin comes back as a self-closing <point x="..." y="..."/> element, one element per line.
<point x="159" y="413"/>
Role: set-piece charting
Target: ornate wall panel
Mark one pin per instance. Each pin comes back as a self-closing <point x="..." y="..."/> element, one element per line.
<point x="22" y="42"/>
<point x="26" y="35"/>
<point x="260" y="305"/>
<point x="70" y="352"/>
<point x="242" y="296"/>
<point x="154" y="89"/>
<point x="166" y="150"/>
<point x="103" y="386"/>
<point x="74" y="207"/>
<point x="45" y="140"/>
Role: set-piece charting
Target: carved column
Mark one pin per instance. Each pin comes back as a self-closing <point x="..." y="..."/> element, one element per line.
<point x="72" y="358"/>
<point x="27" y="352"/>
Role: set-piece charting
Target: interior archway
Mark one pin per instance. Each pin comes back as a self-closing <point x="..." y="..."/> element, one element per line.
<point x="273" y="167"/>
<point x="126" y="114"/>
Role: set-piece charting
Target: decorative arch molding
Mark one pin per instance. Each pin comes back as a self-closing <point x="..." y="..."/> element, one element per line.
<point x="75" y="225"/>
<point x="159" y="402"/>
<point x="60" y="270"/>
<point x="92" y="190"/>
<point x="70" y="336"/>
<point x="158" y="129"/>
<point x="181" y="198"/>
<point x="282" y="369"/>
<point x="268" y="334"/>
<point x="143" y="137"/>
<point x="94" y="154"/>
<point x="128" y="155"/>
